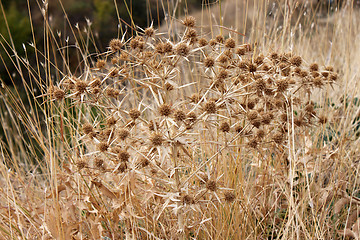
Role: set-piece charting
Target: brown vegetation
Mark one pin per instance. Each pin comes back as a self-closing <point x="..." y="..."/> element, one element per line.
<point x="194" y="136"/>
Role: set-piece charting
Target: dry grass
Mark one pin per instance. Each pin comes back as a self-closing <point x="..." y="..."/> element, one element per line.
<point x="196" y="134"/>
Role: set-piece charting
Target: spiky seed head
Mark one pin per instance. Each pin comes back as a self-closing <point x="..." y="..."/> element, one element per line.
<point x="211" y="185"/>
<point x="252" y="115"/>
<point x="134" y="113"/>
<point x="260" y="85"/>
<point x="124" y="56"/>
<point x="266" y="118"/>
<point x="202" y="42"/>
<point x="81" y="164"/>
<point x="325" y="74"/>
<point x="299" y="121"/>
<point x="256" y="122"/>
<point x="98" y="162"/>
<point x="134" y="43"/>
<point x="179" y="115"/>
<point x="223" y="74"/>
<point x="104" y="134"/>
<point x="296" y="61"/>
<point x="195" y="98"/>
<point x="114" y="72"/>
<point x="238" y="129"/>
<point x="96" y="82"/>
<point x="210" y="107"/>
<point x="68" y="84"/>
<point x="269" y="91"/>
<point x="252" y="67"/>
<point x="103" y="146"/>
<point x="168" y="47"/>
<point x="100" y="63"/>
<point x="260" y="134"/>
<point x="87" y="128"/>
<point x="220" y="38"/>
<point x="329" y="68"/>
<point x="58" y="93"/>
<point x="115" y="45"/>
<point x="285" y="69"/>
<point x="111" y="92"/>
<point x="187" y="199"/>
<point x="116" y="149"/>
<point x="212" y="42"/>
<point x="224" y="127"/>
<point x="259" y="59"/>
<point x="274" y="56"/>
<point x="80" y="86"/>
<point x="309" y="107"/>
<point x="182" y="49"/>
<point x="283" y="117"/>
<point x="223" y="59"/>
<point x="159" y="48"/>
<point x="149" y="32"/>
<point x="333" y="77"/>
<point x="230" y="43"/>
<point x="240" y="51"/>
<point x="253" y="143"/>
<point x="229" y="196"/>
<point x="115" y="60"/>
<point x="323" y="119"/>
<point x="123" y="133"/>
<point x="156" y="139"/>
<point x="247" y="47"/>
<point x="251" y="103"/>
<point x="243" y="65"/>
<point x="278" y="137"/>
<point x="228" y="53"/>
<point x="111" y="121"/>
<point x="209" y="62"/>
<point x="315" y="74"/>
<point x="192" y="117"/>
<point x="191" y="34"/>
<point x="304" y="73"/>
<point x="282" y="85"/>
<point x="266" y="67"/>
<point x="314" y="67"/>
<point x="297" y="71"/>
<point x="279" y="103"/>
<point x="165" y="110"/>
<point x="123" y="156"/>
<point x="122" y="167"/>
<point x="189" y="22"/>
<point x="144" y="162"/>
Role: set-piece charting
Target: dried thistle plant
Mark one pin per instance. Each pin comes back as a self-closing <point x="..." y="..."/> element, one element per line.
<point x="189" y="136"/>
<point x="157" y="132"/>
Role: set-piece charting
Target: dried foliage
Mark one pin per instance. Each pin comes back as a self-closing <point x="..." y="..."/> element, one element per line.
<point x="192" y="138"/>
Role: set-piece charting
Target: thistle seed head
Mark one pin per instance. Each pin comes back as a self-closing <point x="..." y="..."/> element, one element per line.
<point x="165" y="110"/>
<point x="230" y="43"/>
<point x="210" y="107"/>
<point x="189" y="22"/>
<point x="156" y="139"/>
<point x="115" y="45"/>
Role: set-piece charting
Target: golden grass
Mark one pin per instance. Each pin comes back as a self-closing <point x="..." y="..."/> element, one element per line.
<point x="195" y="134"/>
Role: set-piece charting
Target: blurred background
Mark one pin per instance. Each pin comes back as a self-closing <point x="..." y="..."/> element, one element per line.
<point x="101" y="13"/>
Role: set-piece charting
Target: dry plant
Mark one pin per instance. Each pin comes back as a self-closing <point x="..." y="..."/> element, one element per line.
<point x="193" y="136"/>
